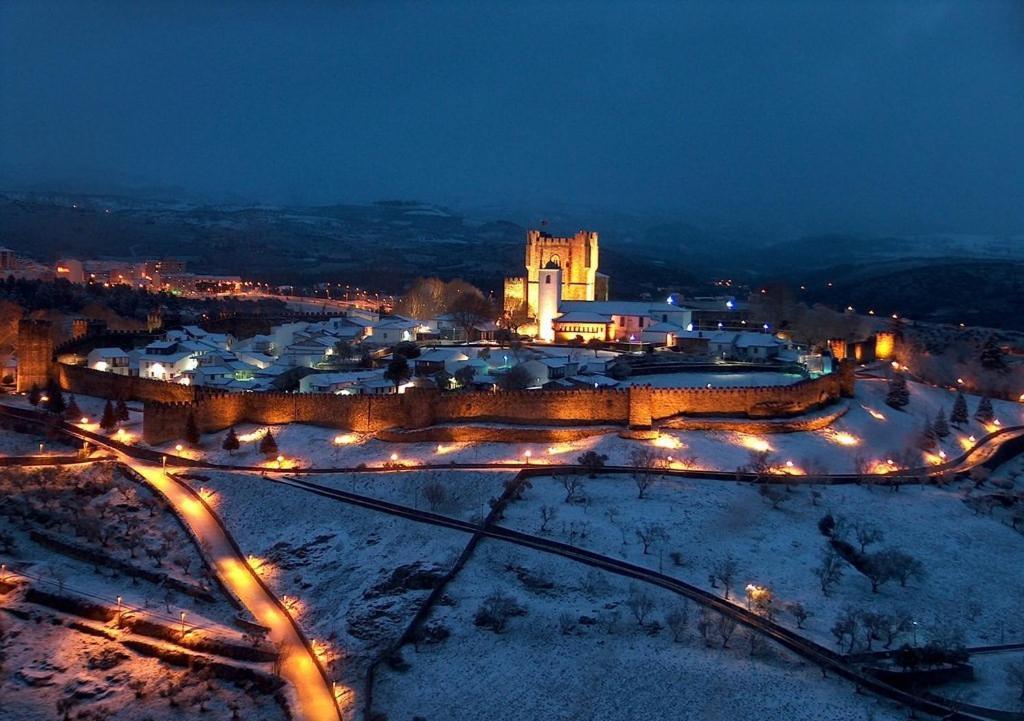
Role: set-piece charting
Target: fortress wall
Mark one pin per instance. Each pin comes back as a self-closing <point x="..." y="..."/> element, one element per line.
<point x="491" y="434"/>
<point x="754" y="402"/>
<point x="89" y="382"/>
<point x="571" y="407"/>
<point x="168" y="406"/>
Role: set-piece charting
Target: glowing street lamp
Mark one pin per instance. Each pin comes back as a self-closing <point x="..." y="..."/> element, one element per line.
<point x="394" y="457"/>
<point x="183" y="624"/>
<point x="527" y="455"/>
<point x="178" y="447"/>
<point x="280" y="460"/>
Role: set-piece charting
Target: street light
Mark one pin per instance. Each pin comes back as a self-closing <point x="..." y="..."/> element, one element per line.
<point x="527" y="454"/>
<point x="183" y="624"/>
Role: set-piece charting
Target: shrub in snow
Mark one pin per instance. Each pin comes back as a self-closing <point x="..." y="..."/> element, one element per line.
<point x="496" y="610"/>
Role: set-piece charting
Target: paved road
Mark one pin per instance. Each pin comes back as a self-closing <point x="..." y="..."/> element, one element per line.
<point x="298" y="665"/>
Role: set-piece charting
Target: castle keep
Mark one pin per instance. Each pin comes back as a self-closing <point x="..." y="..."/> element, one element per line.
<point x="577" y="256"/>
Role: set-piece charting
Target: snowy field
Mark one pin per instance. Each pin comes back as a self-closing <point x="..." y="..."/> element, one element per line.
<point x="869" y="433"/>
<point x="353" y="577"/>
<point x="94" y="508"/>
<point x="991" y="687"/>
<point x="579" y="654"/>
<point x="48" y="663"/>
<point x="713" y="380"/>
<point x="972" y="562"/>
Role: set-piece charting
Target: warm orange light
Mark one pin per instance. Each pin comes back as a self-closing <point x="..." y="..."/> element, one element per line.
<point x="179" y="448"/>
<point x="668" y="442"/>
<point x="844" y="439"/>
<point x="394" y="457"/>
<point x="755" y="444"/>
<point x="85" y="419"/>
<point x="874" y="414"/>
<point x="345" y="439"/>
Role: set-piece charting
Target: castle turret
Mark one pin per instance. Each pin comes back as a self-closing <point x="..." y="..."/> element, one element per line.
<point x="155" y="320"/>
<point x="35" y="353"/>
<point x="549" y="297"/>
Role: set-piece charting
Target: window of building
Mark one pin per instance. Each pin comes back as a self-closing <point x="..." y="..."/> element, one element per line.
<point x="547" y="279"/>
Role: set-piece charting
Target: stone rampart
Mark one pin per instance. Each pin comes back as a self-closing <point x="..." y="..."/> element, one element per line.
<point x="89" y="382"/>
<point x="419" y="408"/>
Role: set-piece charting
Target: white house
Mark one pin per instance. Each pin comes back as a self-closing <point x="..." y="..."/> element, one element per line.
<point x="111" y="360"/>
<point x="744" y="345"/>
<point x="395" y="329"/>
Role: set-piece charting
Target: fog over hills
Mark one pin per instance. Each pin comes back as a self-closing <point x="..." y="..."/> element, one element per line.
<point x="385" y="245"/>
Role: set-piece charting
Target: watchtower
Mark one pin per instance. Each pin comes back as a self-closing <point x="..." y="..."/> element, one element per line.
<point x="35" y="353"/>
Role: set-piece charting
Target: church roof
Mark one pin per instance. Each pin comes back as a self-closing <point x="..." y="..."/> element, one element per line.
<point x="580" y="316"/>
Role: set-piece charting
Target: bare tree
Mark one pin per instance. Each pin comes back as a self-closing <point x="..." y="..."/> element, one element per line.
<point x="678" y="619"/>
<point x="725" y="571"/>
<point x="799" y="612"/>
<point x="725" y="626"/>
<point x="883" y="627"/>
<point x="496" y="611"/>
<point x="547" y="515"/>
<point x="867" y="533"/>
<point x="846" y="628"/>
<point x="640" y="604"/>
<point x="830" y="572"/>
<point x="649" y="534"/>
<point x="435" y="494"/>
<point x="644" y="460"/>
<point x="573" y="486"/>
<point x="705" y="625"/>
<point x="901" y="566"/>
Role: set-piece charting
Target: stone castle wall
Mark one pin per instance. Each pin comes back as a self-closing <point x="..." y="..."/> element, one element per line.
<point x="89" y="382"/>
<point x="637" y="407"/>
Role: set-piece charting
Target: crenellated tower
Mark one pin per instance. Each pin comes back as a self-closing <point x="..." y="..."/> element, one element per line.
<point x="576" y="256"/>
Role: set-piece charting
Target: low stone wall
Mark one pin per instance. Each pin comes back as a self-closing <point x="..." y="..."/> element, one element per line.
<point x="492" y="434"/>
<point x="804" y="423"/>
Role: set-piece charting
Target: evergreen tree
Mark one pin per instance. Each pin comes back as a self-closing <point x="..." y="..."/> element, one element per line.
<point x="231" y="443"/>
<point x="34" y="395"/>
<point x="398" y="371"/>
<point x="899" y="394"/>
<point x="108" y="421"/>
<point x="928" y="440"/>
<point x="992" y="356"/>
<point x="55" y="398"/>
<point x="941" y="427"/>
<point x="268" y="446"/>
<point x="121" y="410"/>
<point x="73" y="413"/>
<point x="191" y="430"/>
<point x="985" y="414"/>
<point x="958" y="416"/>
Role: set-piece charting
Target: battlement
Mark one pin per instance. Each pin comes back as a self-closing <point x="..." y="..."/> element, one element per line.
<point x="635" y="407"/>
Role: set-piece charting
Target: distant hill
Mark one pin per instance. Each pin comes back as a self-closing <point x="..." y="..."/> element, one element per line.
<point x="382" y="245"/>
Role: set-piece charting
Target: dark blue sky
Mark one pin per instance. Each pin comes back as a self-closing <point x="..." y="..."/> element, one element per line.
<point x="888" y="116"/>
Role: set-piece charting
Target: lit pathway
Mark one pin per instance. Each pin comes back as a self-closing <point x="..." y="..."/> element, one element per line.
<point x="298" y="667"/>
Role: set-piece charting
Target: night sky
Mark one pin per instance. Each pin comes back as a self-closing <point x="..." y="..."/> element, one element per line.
<point x="897" y="116"/>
